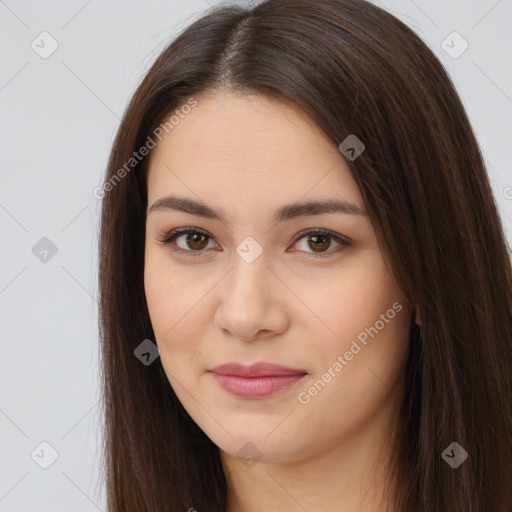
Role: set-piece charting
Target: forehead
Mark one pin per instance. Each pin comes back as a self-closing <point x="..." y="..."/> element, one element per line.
<point x="248" y="150"/>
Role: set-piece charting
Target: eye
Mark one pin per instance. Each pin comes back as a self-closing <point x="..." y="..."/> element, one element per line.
<point x="193" y="241"/>
<point x="319" y="241"/>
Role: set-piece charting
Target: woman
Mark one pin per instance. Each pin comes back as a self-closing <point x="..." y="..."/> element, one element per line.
<point x="305" y="285"/>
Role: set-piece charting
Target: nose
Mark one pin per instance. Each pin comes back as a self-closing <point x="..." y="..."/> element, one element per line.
<point x="251" y="302"/>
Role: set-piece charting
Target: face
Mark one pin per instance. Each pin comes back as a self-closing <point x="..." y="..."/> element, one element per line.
<point x="307" y="289"/>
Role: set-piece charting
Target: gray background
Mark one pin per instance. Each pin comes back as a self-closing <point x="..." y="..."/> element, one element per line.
<point x="58" y="117"/>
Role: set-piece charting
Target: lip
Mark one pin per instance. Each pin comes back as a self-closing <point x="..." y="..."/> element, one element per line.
<point x="256" y="370"/>
<point x="257" y="380"/>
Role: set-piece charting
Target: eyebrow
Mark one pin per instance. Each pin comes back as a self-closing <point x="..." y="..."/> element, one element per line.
<point x="285" y="213"/>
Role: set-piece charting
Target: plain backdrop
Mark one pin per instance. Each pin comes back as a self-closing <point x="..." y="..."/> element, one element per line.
<point x="58" y="117"/>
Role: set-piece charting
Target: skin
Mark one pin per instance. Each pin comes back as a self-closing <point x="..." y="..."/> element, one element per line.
<point x="249" y="155"/>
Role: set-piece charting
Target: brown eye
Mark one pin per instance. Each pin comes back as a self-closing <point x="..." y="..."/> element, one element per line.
<point x="319" y="242"/>
<point x="315" y="241"/>
<point x="196" y="241"/>
<point x="187" y="240"/>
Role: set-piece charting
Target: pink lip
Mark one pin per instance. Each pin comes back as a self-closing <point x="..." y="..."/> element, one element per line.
<point x="260" y="379"/>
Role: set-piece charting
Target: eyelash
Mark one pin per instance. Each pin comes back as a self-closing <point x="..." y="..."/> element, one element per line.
<point x="167" y="238"/>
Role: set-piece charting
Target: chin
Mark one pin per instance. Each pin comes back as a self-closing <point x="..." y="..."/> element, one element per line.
<point x="255" y="446"/>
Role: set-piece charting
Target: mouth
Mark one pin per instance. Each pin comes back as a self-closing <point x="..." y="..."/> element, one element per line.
<point x="257" y="380"/>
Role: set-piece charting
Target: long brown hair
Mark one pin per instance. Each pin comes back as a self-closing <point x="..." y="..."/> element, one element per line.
<point x="354" y="69"/>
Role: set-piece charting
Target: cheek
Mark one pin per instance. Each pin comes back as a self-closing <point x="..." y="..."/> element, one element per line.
<point x="169" y="294"/>
<point x="366" y="323"/>
<point x="174" y="305"/>
<point x="347" y="299"/>
<point x="159" y="296"/>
